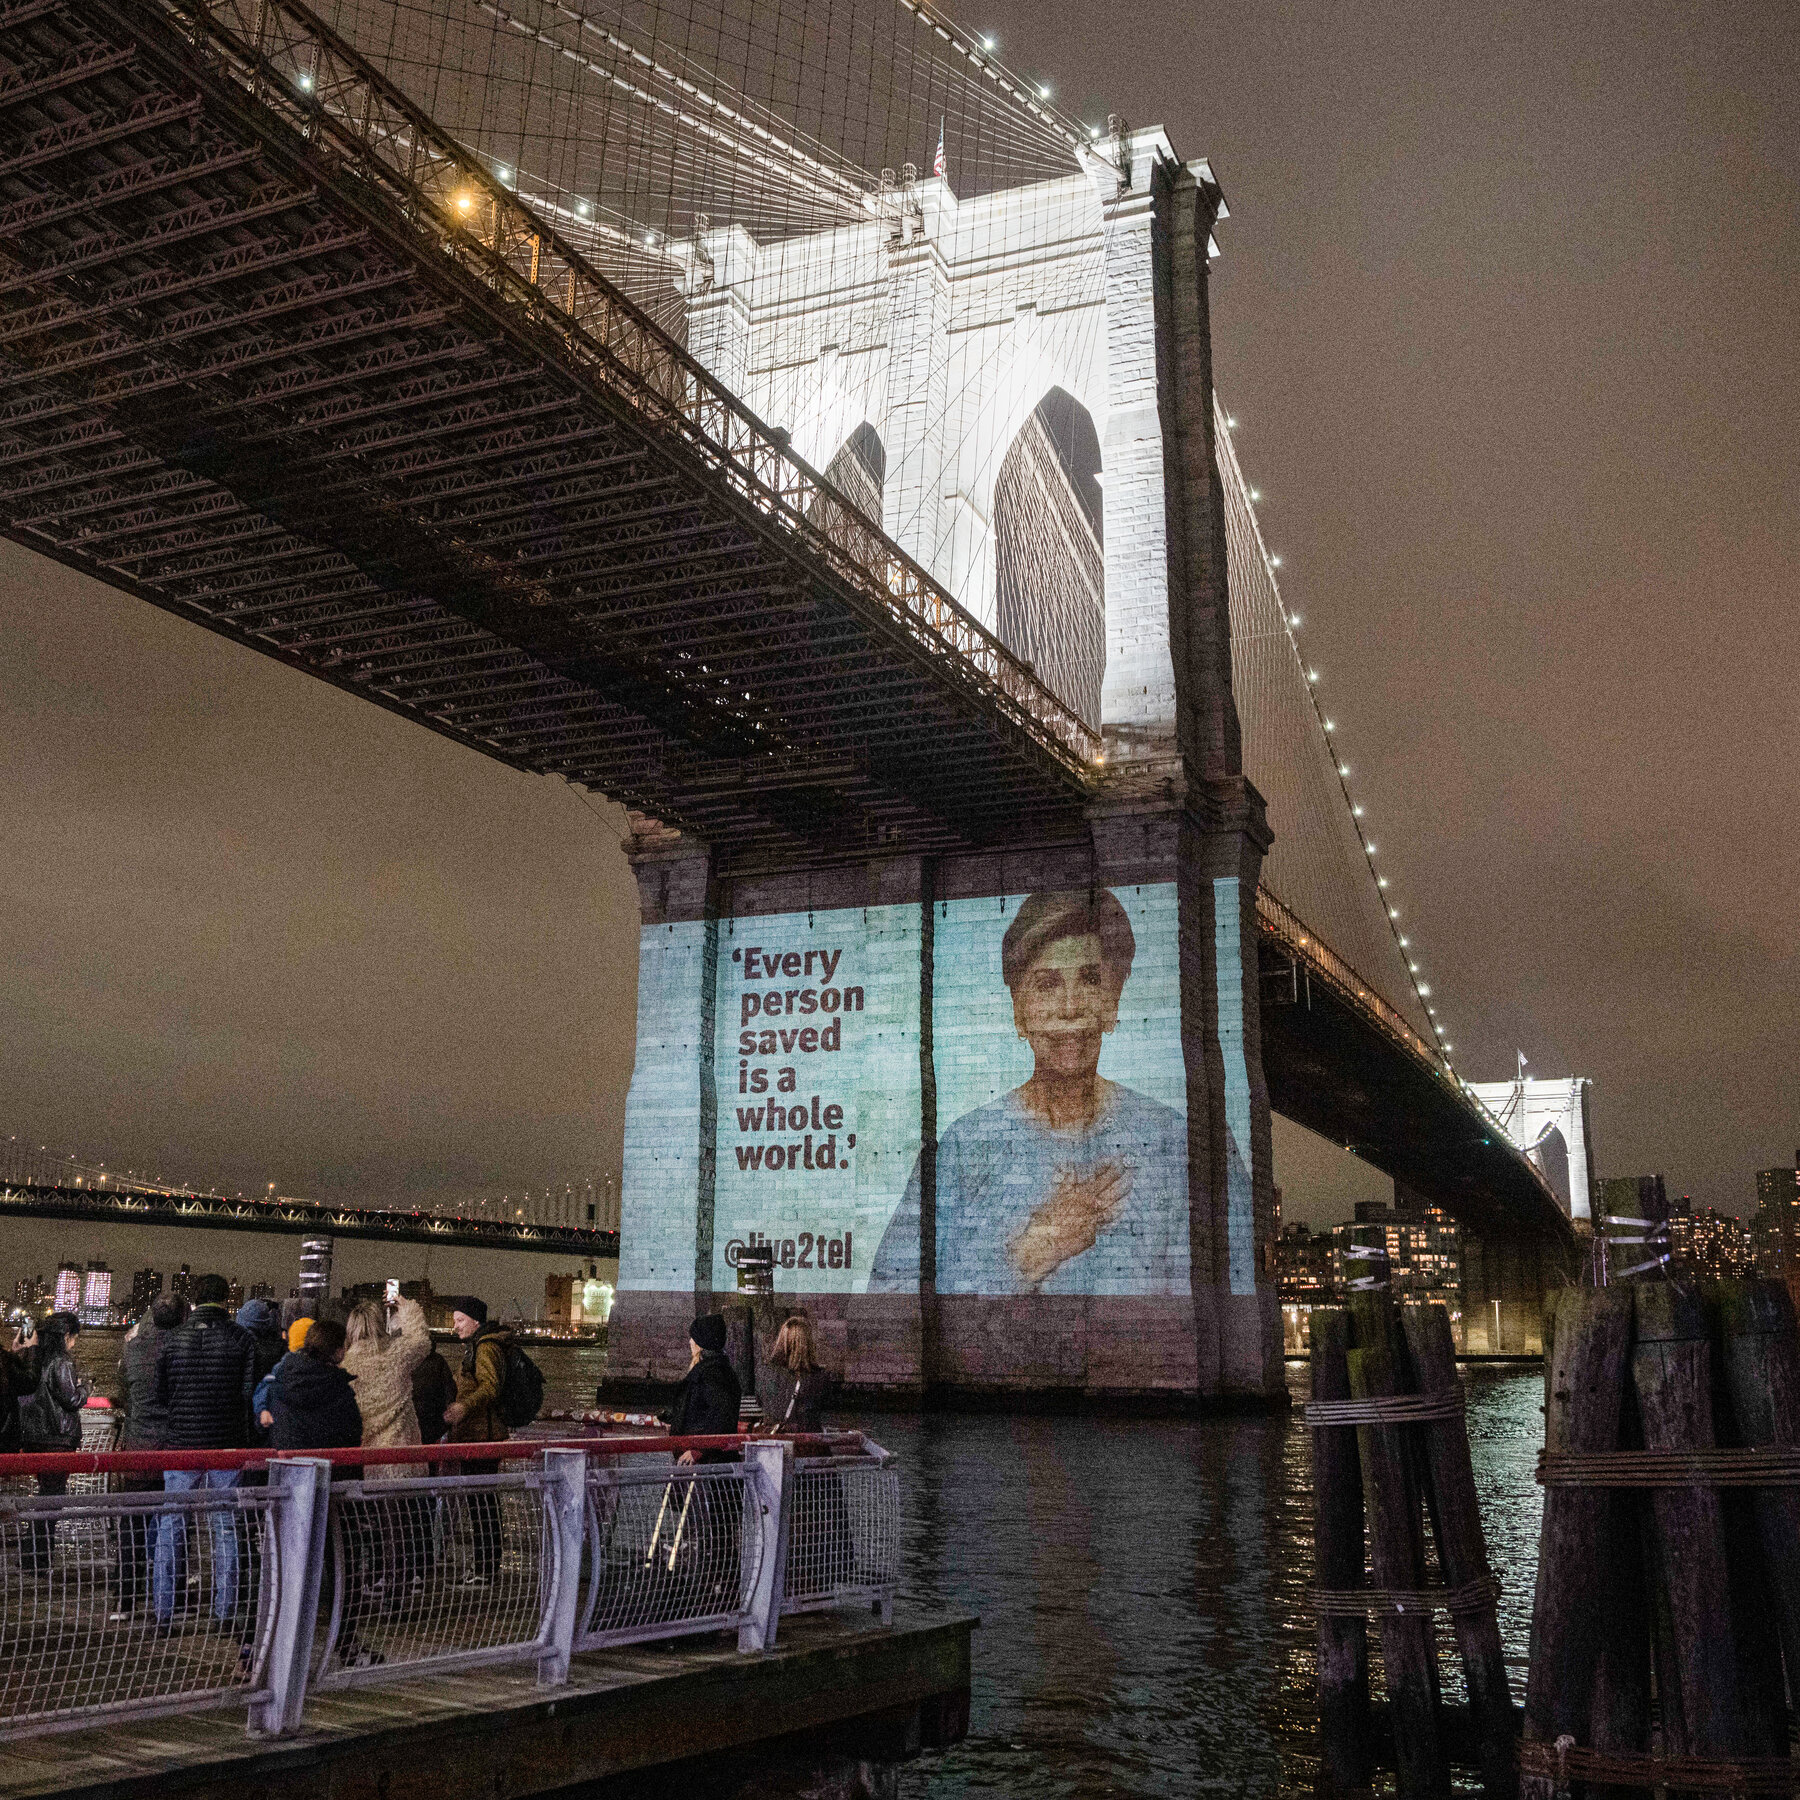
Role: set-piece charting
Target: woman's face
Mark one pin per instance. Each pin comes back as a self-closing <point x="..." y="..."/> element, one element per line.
<point x="1065" y="1004"/>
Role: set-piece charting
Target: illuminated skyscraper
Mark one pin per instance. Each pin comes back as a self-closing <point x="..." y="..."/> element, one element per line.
<point x="96" y="1295"/>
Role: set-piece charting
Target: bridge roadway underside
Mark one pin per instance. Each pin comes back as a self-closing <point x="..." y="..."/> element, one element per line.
<point x="274" y="391"/>
<point x="1333" y="1069"/>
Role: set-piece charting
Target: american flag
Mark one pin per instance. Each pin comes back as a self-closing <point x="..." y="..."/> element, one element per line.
<point x="938" y="164"/>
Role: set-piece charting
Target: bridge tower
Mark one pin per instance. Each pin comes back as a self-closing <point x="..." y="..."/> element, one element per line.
<point x="889" y="1133"/>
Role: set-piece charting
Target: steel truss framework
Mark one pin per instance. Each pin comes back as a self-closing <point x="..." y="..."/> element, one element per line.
<point x="277" y="356"/>
<point x="130" y="1206"/>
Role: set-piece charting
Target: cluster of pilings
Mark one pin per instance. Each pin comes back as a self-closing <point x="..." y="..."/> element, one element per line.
<point x="1391" y="1455"/>
<point x="1665" y="1637"/>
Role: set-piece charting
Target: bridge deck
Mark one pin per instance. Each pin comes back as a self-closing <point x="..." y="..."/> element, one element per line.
<point x="283" y="360"/>
<point x="493" y="1732"/>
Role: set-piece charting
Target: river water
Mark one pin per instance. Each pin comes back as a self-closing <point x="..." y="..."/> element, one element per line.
<point x="1141" y="1585"/>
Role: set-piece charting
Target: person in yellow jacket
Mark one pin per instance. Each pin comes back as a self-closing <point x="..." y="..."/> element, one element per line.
<point x="474" y="1417"/>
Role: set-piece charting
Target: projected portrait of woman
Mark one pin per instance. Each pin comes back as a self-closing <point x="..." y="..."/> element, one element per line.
<point x="1069" y="1183"/>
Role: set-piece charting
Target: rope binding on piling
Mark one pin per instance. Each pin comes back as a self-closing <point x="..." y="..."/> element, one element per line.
<point x="1477" y="1596"/>
<point x="1776" y="1466"/>
<point x="1387" y="1409"/>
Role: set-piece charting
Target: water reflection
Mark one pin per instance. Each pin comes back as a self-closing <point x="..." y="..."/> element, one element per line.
<point x="1142" y="1587"/>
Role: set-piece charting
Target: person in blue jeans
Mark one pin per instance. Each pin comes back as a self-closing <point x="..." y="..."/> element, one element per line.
<point x="205" y="1376"/>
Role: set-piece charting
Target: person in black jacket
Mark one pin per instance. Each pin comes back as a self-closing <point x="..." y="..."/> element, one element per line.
<point x="50" y="1419"/>
<point x="205" y="1375"/>
<point x="146" y="1427"/>
<point x="314" y="1404"/>
<point x="313" y="1400"/>
<point x="707" y="1402"/>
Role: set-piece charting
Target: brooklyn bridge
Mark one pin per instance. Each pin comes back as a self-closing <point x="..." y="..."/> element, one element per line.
<point x="806" y="437"/>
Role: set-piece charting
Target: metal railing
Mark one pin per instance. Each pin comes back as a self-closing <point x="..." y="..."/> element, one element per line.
<point x="671" y="1551"/>
<point x="247" y="1576"/>
<point x="445" y="1571"/>
<point x="127" y="1603"/>
<point x="843" y="1534"/>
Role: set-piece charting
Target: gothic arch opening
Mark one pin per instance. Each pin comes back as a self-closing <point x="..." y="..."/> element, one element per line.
<point x="857" y="472"/>
<point x="1049" y="572"/>
<point x="1551" y="1154"/>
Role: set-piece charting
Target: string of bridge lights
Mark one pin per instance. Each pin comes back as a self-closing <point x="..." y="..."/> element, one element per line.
<point x="1291" y="621"/>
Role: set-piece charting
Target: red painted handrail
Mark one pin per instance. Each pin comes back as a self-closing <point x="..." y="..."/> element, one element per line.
<point x="149" y="1462"/>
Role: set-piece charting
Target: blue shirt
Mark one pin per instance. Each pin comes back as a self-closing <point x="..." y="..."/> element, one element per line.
<point x="998" y="1164"/>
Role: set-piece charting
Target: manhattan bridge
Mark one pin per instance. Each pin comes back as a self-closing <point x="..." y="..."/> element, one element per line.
<point x="778" y="418"/>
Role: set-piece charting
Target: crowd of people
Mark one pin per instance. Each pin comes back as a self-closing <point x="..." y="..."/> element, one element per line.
<point x="194" y="1377"/>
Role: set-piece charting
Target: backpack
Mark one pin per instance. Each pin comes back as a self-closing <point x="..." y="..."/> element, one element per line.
<point x="522" y="1392"/>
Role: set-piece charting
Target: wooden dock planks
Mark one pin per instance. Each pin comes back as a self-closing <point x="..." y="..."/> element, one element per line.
<point x="494" y="1732"/>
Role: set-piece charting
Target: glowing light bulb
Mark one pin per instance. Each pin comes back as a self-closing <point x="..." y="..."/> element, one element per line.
<point x="1274" y="562"/>
<point x="1256" y="493"/>
<point x="1230" y="423"/>
<point x="990" y="44"/>
<point x="582" y="210"/>
<point x="1404" y="942"/>
<point x="1371" y="849"/>
<point x="1392" y="913"/>
<point x="1331" y="725"/>
<point x="306" y="84"/>
<point x="1381" y="881"/>
<point x="1424" y="990"/>
<point x="1312" y="674"/>
<point x="504" y="171"/>
<point x="1356" y="812"/>
<point x="464" y="201"/>
<point x="1043" y="90"/>
<point x="1448" y="1048"/>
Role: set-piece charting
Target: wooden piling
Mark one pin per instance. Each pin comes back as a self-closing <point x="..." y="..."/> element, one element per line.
<point x="1397" y="1553"/>
<point x="1585" y="1374"/>
<point x="1462" y="1551"/>
<point x="1700" y="1683"/>
<point x="1760" y="1365"/>
<point x="1344" y="1741"/>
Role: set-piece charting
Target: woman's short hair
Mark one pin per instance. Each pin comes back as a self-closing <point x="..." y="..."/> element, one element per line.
<point x="1044" y="919"/>
<point x="168" y="1312"/>
<point x="324" y="1340"/>
<point x="367" y="1324"/>
<point x="796" y="1347"/>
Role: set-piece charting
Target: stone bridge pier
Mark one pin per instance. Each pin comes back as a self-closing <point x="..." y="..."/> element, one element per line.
<point x="999" y="1114"/>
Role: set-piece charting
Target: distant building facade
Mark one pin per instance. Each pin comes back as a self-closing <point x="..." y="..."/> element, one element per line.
<point x="1775" y="1230"/>
<point x="96" y="1295"/>
<point x="1708" y="1245"/>
<point x="1420" y="1241"/>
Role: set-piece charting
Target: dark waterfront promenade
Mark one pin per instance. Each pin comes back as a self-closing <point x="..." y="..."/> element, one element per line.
<point x="1142" y="1590"/>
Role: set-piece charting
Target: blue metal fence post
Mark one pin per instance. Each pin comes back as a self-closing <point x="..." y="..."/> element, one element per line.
<point x="565" y="1530"/>
<point x="768" y="1488"/>
<point x="300" y="1496"/>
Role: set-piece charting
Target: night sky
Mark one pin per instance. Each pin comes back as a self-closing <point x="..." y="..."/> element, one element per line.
<point x="1508" y="312"/>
